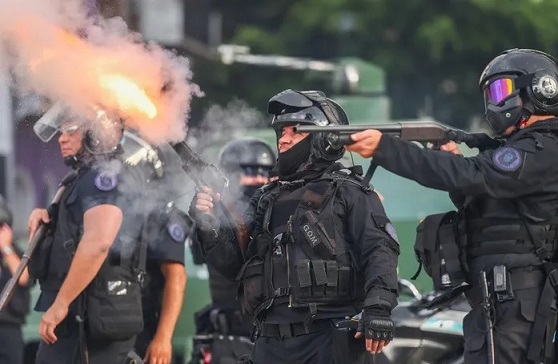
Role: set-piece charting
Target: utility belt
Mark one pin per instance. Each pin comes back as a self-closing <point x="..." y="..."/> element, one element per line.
<point x="290" y="330"/>
<point x="506" y="284"/>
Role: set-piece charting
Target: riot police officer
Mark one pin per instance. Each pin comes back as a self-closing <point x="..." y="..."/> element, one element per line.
<point x="165" y="284"/>
<point x="321" y="247"/>
<point x="13" y="316"/>
<point x="507" y="202"/>
<point x="73" y="264"/>
<point x="247" y="162"/>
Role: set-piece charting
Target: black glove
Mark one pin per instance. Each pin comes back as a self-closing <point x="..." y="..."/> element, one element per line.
<point x="377" y="324"/>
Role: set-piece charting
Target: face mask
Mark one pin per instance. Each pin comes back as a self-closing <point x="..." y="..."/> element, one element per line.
<point x="288" y="162"/>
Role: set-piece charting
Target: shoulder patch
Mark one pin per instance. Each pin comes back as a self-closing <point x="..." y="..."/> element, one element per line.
<point x="507" y="159"/>
<point x="106" y="181"/>
<point x="176" y="232"/>
<point x="390" y="229"/>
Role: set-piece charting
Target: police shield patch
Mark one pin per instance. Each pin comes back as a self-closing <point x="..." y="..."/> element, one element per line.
<point x="507" y="159"/>
<point x="106" y="181"/>
<point x="177" y="233"/>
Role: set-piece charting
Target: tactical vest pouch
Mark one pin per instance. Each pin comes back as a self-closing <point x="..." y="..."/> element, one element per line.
<point x="437" y="249"/>
<point x="322" y="281"/>
<point x="38" y="262"/>
<point x="252" y="291"/>
<point x="113" y="302"/>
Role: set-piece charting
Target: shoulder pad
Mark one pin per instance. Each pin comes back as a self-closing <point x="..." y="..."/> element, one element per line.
<point x="345" y="175"/>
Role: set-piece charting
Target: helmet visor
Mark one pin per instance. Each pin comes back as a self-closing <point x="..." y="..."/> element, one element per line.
<point x="49" y="124"/>
<point x="498" y="90"/>
<point x="312" y="115"/>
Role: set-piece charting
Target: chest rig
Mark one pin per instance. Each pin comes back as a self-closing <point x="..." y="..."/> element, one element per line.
<point x="316" y="267"/>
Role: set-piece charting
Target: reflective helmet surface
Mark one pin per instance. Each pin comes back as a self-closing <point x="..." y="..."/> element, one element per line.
<point x="292" y="107"/>
<point x="517" y="84"/>
<point x="246" y="152"/>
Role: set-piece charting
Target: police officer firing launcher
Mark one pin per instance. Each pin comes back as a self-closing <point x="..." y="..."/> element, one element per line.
<point x="321" y="247"/>
<point x="507" y="200"/>
<point x="248" y="163"/>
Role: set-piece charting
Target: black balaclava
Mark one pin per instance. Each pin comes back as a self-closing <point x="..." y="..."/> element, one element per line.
<point x="288" y="162"/>
<point x="248" y="191"/>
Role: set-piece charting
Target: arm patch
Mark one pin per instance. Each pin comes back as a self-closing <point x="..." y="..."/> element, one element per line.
<point x="507" y="159"/>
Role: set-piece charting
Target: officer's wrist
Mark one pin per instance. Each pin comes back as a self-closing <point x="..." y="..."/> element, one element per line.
<point x="61" y="302"/>
<point x="6" y="250"/>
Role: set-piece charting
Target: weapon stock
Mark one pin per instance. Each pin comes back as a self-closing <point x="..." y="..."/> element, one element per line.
<point x="418" y="131"/>
<point x="203" y="173"/>
<point x="208" y="175"/>
<point x="37" y="238"/>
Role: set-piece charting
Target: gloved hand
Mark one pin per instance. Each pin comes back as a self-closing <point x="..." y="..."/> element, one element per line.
<point x="378" y="328"/>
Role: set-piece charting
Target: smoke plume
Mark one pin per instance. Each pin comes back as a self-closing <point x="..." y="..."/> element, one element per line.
<point x="64" y="52"/>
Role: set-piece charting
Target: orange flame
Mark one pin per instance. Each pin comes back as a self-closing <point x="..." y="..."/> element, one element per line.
<point x="128" y="94"/>
<point x="123" y="92"/>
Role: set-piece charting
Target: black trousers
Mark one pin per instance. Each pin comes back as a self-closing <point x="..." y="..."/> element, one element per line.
<point x="11" y="344"/>
<point x="513" y="324"/>
<point x="65" y="349"/>
<point x="327" y="346"/>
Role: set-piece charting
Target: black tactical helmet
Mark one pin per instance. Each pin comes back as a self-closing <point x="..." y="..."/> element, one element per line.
<point x="245" y="152"/>
<point x="5" y="213"/>
<point x="292" y="107"/>
<point x="517" y="84"/>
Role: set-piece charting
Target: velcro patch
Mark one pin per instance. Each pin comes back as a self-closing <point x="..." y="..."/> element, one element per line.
<point x="106" y="181"/>
<point x="507" y="159"/>
<point x="177" y="233"/>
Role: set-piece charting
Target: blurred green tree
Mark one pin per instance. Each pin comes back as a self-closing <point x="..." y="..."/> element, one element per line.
<point x="432" y="50"/>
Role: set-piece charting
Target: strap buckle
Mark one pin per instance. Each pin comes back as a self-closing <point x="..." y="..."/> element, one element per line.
<point x="282" y="291"/>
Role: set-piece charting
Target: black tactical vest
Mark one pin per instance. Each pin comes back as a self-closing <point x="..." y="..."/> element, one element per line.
<point x="65" y="238"/>
<point x="499" y="231"/>
<point x="317" y="263"/>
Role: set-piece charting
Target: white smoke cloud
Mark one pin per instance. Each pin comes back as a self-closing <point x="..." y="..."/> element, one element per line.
<point x="46" y="56"/>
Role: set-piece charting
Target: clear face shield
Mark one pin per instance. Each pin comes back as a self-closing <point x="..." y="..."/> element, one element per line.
<point x="51" y="122"/>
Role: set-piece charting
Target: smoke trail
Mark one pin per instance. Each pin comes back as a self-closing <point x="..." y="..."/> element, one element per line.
<point x="221" y="124"/>
<point x="106" y="65"/>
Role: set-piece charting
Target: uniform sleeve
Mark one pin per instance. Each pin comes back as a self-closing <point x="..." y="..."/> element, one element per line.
<point x="98" y="188"/>
<point x="175" y="227"/>
<point x="375" y="242"/>
<point x="219" y="243"/>
<point x="518" y="168"/>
